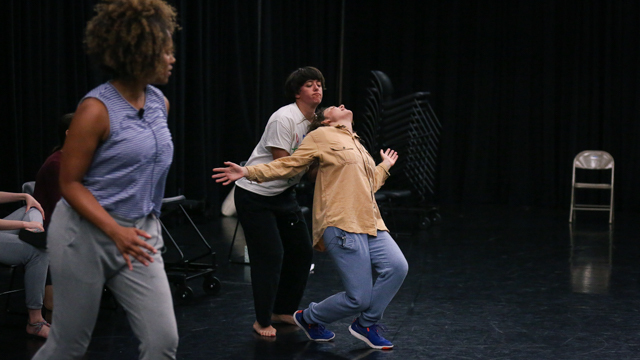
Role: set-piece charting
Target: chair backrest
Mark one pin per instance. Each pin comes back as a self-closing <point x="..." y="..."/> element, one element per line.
<point x="383" y="84"/>
<point x="28" y="187"/>
<point x="593" y="160"/>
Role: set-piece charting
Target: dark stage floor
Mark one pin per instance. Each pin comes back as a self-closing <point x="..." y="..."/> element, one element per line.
<point x="487" y="283"/>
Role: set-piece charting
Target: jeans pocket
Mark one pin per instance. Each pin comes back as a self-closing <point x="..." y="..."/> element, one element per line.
<point x="348" y="243"/>
<point x="345" y="240"/>
<point x="336" y="238"/>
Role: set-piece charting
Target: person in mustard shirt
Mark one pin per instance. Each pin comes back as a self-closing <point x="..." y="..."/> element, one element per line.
<point x="346" y="224"/>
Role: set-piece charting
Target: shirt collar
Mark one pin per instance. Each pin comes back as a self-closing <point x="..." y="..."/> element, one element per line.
<point x="300" y="115"/>
<point x="344" y="128"/>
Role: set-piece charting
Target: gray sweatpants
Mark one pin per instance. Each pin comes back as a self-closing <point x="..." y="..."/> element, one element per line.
<point x="14" y="251"/>
<point x="83" y="260"/>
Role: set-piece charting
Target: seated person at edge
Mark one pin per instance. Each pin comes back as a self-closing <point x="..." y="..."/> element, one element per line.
<point x="47" y="192"/>
<point x="15" y="230"/>
<point x="346" y="224"/>
<point x="47" y="189"/>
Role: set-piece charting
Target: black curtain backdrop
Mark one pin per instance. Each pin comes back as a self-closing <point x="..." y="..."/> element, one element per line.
<point x="520" y="86"/>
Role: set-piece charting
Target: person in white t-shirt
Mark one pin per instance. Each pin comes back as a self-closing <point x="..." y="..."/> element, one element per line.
<point x="276" y="233"/>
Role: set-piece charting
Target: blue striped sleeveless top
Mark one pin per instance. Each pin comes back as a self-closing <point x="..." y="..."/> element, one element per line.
<point x="128" y="172"/>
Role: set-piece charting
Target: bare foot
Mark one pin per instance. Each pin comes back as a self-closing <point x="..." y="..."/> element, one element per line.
<point x="39" y="329"/>
<point x="282" y="318"/>
<point x="264" y="331"/>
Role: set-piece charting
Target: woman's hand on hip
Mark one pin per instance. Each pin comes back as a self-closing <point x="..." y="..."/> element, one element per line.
<point x="129" y="244"/>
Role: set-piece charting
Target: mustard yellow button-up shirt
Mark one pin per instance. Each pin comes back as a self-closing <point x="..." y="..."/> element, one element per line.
<point x="346" y="182"/>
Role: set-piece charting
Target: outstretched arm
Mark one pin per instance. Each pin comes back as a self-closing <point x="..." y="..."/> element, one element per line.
<point x="281" y="168"/>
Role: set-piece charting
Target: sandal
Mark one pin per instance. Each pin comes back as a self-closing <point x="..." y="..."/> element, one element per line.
<point x="38" y="327"/>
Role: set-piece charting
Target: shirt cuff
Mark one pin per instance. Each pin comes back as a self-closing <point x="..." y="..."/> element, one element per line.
<point x="252" y="174"/>
<point x="385" y="167"/>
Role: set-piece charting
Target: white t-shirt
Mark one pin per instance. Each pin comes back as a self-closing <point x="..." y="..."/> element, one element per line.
<point x="285" y="130"/>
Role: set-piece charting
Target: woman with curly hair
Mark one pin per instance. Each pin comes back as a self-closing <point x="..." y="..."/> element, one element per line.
<point x="105" y="230"/>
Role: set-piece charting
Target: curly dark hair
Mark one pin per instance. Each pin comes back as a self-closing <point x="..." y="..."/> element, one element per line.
<point x="298" y="77"/>
<point x="127" y="38"/>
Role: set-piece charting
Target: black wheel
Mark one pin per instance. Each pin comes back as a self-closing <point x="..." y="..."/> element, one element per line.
<point x="425" y="223"/>
<point x="211" y="285"/>
<point x="184" y="294"/>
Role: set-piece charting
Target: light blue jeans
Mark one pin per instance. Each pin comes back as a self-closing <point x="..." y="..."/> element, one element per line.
<point x="356" y="255"/>
<point x="14" y="251"/>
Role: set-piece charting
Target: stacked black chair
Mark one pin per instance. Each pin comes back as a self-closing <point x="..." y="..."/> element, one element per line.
<point x="410" y="126"/>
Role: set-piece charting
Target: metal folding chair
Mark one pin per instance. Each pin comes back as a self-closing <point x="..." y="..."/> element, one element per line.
<point x="592" y="160"/>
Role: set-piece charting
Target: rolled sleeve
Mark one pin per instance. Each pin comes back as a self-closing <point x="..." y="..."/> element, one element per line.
<point x="252" y="174"/>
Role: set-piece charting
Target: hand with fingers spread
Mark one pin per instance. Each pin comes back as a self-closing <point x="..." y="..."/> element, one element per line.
<point x="229" y="174"/>
<point x="129" y="244"/>
<point x="390" y="156"/>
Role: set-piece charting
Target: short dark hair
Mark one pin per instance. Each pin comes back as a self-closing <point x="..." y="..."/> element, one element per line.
<point x="63" y="126"/>
<point x="297" y="78"/>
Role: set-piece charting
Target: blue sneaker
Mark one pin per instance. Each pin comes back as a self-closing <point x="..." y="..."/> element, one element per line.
<point x="370" y="335"/>
<point x="315" y="332"/>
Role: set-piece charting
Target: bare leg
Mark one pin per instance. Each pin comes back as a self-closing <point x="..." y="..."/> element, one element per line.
<point x="48" y="302"/>
<point x="48" y="297"/>
<point x="282" y="318"/>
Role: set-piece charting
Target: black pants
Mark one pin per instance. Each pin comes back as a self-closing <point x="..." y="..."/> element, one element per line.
<point x="280" y="251"/>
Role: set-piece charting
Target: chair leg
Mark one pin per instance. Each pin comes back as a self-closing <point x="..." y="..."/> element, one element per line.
<point x="611" y="206"/>
<point x="13" y="273"/>
<point x="245" y="261"/>
<point x="571" y="210"/>
<point x="8" y="297"/>
<point x="12" y="277"/>
<point x="233" y="240"/>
